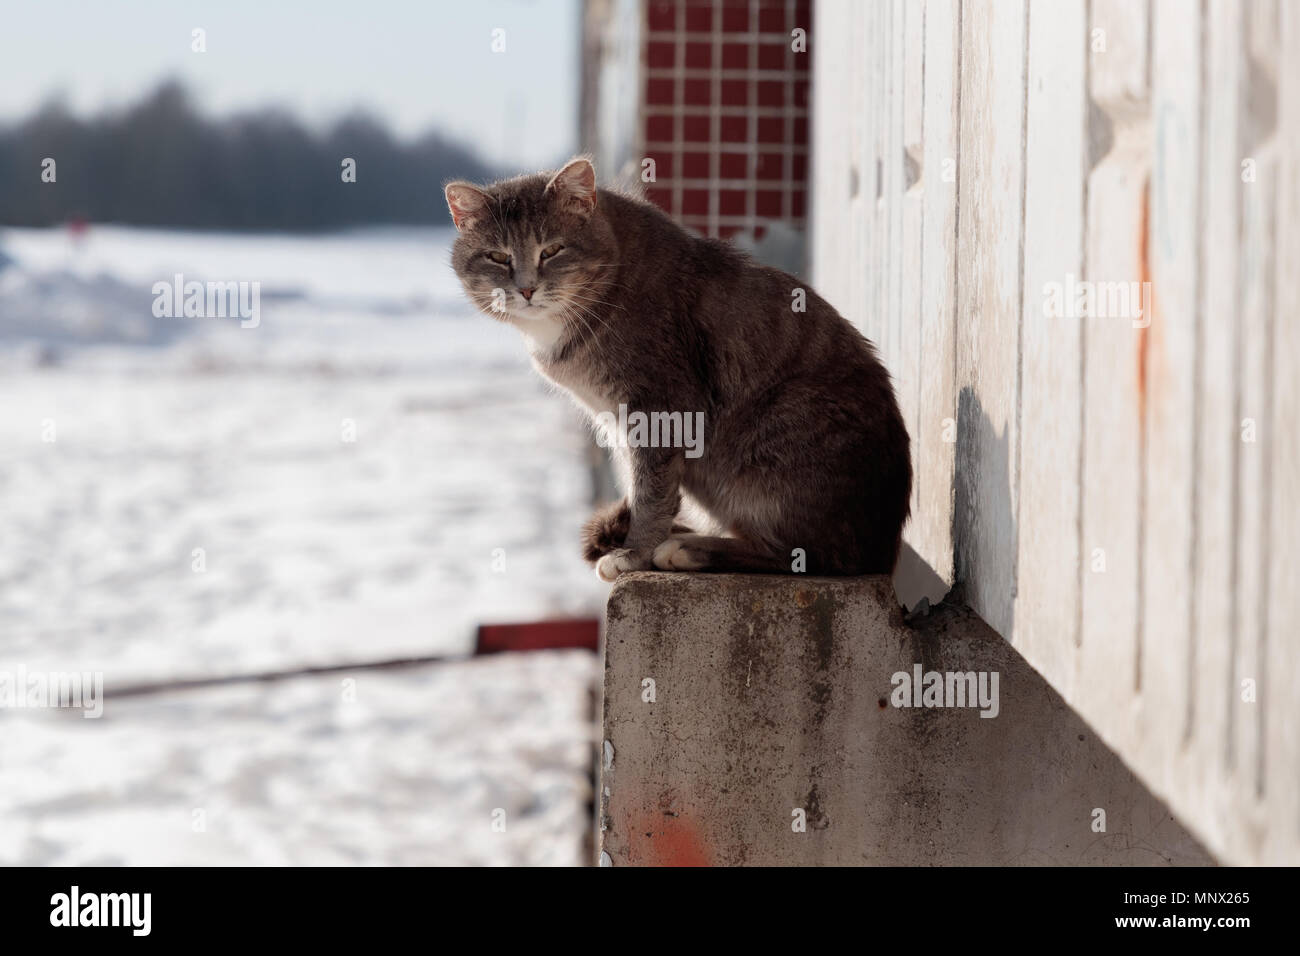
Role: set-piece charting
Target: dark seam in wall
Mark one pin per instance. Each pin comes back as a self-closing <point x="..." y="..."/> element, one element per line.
<point x="1266" y="476"/>
<point x="1150" y="43"/>
<point x="1198" y="379"/>
<point x="1266" y="507"/>
<point x="1083" y="325"/>
<point x="1234" y="551"/>
<point x="920" y="337"/>
<point x="1020" y="317"/>
<point x="956" y="274"/>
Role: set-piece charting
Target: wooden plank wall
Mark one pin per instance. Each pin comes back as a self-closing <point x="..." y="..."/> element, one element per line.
<point x="1111" y="479"/>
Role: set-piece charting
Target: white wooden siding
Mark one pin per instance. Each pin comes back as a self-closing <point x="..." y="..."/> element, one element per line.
<point x="1100" y="504"/>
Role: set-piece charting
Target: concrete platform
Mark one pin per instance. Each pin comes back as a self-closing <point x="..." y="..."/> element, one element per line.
<point x="759" y="720"/>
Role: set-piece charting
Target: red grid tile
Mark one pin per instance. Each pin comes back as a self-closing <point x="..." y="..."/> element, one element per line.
<point x="726" y="111"/>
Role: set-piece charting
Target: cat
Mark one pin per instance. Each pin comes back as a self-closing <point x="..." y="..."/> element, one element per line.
<point x="804" y="463"/>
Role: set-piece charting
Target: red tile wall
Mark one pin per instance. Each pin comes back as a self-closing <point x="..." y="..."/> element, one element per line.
<point x="725" y="107"/>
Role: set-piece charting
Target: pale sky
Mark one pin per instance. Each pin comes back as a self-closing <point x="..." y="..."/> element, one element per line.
<point x="415" y="64"/>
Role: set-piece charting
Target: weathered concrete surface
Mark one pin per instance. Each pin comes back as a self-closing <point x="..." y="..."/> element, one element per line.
<point x="773" y="695"/>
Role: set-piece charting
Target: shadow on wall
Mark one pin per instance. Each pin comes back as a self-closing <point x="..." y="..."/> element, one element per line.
<point x="984" y="530"/>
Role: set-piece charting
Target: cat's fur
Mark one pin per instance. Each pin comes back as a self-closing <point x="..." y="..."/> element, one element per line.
<point x="804" y="446"/>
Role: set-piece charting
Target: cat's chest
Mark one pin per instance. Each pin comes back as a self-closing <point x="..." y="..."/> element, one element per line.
<point x="592" y="395"/>
<point x="541" y="334"/>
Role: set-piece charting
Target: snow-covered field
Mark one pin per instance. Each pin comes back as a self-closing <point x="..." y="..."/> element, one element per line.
<point x="366" y="475"/>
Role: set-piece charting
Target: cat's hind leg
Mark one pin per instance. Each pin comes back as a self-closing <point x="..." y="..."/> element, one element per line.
<point x="698" y="552"/>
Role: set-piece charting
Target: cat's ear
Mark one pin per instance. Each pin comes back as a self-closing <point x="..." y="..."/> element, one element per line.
<point x="467" y="203"/>
<point x="574" y="187"/>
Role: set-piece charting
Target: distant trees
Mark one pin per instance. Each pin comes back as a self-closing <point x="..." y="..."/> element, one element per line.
<point x="160" y="163"/>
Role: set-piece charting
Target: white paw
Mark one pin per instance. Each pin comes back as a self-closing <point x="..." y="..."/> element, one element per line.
<point x="611" y="565"/>
<point x="673" y="555"/>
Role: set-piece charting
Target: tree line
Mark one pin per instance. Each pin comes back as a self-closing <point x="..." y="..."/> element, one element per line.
<point x="160" y="163"/>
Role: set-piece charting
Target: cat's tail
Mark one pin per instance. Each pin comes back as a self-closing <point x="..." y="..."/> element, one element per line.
<point x="606" y="530"/>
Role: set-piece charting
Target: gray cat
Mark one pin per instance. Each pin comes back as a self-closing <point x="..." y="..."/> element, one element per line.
<point x="803" y="463"/>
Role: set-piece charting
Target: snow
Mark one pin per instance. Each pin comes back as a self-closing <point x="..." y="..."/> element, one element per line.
<point x="182" y="497"/>
<point x="410" y="772"/>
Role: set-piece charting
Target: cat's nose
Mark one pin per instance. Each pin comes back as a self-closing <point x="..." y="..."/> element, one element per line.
<point x="528" y="293"/>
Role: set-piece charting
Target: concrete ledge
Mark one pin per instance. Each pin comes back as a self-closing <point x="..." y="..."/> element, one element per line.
<point x="737" y="705"/>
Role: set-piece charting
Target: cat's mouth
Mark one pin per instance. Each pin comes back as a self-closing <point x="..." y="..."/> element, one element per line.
<point x="538" y="310"/>
<point x="517" y="307"/>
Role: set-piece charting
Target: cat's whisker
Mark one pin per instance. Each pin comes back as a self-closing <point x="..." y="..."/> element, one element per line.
<point x="591" y="334"/>
<point x="596" y="301"/>
<point x="594" y="296"/>
<point x="588" y="317"/>
<point x="609" y="282"/>
<point x="602" y="322"/>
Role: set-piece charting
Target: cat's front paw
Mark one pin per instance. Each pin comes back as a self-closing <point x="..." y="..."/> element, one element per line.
<point x="610" y="566"/>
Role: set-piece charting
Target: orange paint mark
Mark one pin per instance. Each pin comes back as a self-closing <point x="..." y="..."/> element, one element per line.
<point x="1144" y="277"/>
<point x="664" y="836"/>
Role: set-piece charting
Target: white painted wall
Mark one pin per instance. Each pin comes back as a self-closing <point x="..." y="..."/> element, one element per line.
<point x="612" y="117"/>
<point x="1087" y="480"/>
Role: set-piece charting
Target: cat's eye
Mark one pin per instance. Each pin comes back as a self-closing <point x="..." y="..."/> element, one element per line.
<point x="499" y="257"/>
<point x="552" y="249"/>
